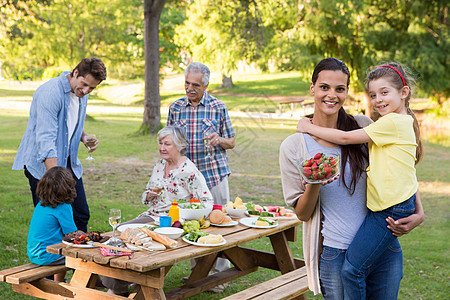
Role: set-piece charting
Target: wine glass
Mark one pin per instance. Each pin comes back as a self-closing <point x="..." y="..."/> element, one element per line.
<point x="114" y="220"/>
<point x="90" y="142"/>
<point x="156" y="187"/>
<point x="208" y="148"/>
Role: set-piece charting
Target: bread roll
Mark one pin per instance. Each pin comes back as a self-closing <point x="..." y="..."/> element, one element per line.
<point x="216" y="217"/>
<point x="226" y="220"/>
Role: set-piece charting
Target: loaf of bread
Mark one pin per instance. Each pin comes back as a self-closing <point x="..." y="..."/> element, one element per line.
<point x="136" y="237"/>
<point x="168" y="242"/>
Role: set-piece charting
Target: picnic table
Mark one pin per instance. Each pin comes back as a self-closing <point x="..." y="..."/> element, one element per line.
<point x="148" y="269"/>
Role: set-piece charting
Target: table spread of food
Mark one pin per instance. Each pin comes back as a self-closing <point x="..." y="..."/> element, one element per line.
<point x="193" y="218"/>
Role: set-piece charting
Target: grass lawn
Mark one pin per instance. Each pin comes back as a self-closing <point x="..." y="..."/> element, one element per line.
<point x="123" y="164"/>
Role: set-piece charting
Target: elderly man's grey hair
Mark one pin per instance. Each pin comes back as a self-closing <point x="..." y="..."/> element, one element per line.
<point x="178" y="135"/>
<point x="197" y="67"/>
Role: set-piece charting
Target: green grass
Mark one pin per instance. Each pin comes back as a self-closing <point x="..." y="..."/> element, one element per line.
<point x="123" y="165"/>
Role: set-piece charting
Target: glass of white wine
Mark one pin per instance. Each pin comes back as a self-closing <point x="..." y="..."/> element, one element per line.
<point x="114" y="219"/>
<point x="89" y="144"/>
<point x="208" y="148"/>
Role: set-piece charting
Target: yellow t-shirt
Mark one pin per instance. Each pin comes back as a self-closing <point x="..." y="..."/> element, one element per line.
<point x="391" y="174"/>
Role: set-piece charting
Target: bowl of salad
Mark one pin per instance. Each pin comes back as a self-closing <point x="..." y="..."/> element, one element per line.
<point x="194" y="211"/>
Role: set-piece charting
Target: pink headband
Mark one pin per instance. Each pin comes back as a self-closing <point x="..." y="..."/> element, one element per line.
<point x="395" y="69"/>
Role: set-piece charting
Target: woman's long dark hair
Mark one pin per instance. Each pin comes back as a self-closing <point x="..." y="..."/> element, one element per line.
<point x="357" y="155"/>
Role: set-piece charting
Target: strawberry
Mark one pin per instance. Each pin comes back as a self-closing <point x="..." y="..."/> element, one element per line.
<point x="314" y="166"/>
<point x="308" y="163"/>
<point x="318" y="156"/>
<point x="307" y="171"/>
<point x="327" y="171"/>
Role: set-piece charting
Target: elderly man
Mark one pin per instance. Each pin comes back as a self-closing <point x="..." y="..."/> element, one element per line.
<point x="56" y="127"/>
<point x="205" y="118"/>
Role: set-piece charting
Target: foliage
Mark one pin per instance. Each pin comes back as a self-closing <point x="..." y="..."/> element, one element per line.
<point x="221" y="33"/>
<point x="366" y="33"/>
<point x="37" y="35"/>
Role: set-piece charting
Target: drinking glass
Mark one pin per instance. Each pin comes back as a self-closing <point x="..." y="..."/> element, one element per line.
<point x="208" y="148"/>
<point x="156" y="187"/>
<point x="90" y="143"/>
<point x="114" y="220"/>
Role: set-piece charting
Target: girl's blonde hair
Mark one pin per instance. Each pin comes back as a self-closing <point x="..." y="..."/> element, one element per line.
<point x="399" y="77"/>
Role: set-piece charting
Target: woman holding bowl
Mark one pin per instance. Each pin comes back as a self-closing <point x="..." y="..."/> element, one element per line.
<point x="333" y="212"/>
<point x="176" y="177"/>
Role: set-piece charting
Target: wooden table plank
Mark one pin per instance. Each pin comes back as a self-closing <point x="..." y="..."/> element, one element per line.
<point x="207" y="283"/>
<point x="283" y="252"/>
<point x="154" y="278"/>
<point x="48" y="289"/>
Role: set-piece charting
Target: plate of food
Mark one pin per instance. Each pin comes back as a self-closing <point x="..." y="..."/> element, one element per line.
<point x="203" y="239"/>
<point x="81" y="239"/>
<point x="259" y="222"/>
<point x="319" y="168"/>
<point x="123" y="227"/>
<point x="86" y="245"/>
<point x="229" y="224"/>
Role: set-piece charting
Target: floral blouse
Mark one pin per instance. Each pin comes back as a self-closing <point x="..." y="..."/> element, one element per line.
<point x="182" y="183"/>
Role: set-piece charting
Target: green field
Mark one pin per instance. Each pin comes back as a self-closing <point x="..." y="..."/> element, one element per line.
<point x="124" y="161"/>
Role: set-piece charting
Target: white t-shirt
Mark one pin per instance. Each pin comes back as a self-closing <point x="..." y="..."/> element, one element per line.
<point x="72" y="116"/>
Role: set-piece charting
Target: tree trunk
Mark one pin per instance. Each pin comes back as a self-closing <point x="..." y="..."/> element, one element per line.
<point x="227" y="82"/>
<point x="152" y="101"/>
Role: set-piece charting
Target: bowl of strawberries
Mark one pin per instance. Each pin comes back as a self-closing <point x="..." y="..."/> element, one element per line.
<point x="320" y="168"/>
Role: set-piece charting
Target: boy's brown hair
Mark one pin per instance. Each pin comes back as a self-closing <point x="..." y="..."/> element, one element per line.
<point x="57" y="186"/>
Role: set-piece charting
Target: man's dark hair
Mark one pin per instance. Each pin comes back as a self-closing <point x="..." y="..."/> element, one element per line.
<point x="93" y="66"/>
<point x="57" y="186"/>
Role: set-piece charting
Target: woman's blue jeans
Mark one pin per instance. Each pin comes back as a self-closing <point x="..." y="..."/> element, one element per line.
<point x="368" y="247"/>
<point x="383" y="278"/>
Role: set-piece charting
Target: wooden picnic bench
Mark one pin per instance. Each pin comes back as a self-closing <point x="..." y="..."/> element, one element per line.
<point x="27" y="277"/>
<point x="148" y="269"/>
<point x="291" y="285"/>
<point x="294" y="101"/>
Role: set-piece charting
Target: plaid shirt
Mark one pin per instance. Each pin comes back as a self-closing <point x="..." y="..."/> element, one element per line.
<point x="210" y="115"/>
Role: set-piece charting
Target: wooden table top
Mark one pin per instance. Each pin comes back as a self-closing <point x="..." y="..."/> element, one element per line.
<point x="143" y="261"/>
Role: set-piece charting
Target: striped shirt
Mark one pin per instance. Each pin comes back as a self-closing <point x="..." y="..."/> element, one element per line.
<point x="210" y="115"/>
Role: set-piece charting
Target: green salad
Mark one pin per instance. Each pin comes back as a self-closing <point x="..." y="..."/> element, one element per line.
<point x="193" y="236"/>
<point x="194" y="206"/>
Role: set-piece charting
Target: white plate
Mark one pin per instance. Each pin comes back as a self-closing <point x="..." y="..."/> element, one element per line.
<point x="250" y="222"/>
<point x="203" y="245"/>
<point x="232" y="223"/>
<point x="88" y="245"/>
<point x="133" y="225"/>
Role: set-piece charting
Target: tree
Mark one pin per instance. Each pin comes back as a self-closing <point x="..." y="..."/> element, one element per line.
<point x="366" y="33"/>
<point x="221" y="33"/>
<point x="152" y="100"/>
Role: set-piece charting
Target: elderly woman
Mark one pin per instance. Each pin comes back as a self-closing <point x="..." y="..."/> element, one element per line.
<point x="179" y="179"/>
<point x="176" y="174"/>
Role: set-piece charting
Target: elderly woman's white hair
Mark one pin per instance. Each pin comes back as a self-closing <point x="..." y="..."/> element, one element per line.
<point x="178" y="135"/>
<point x="197" y="67"/>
